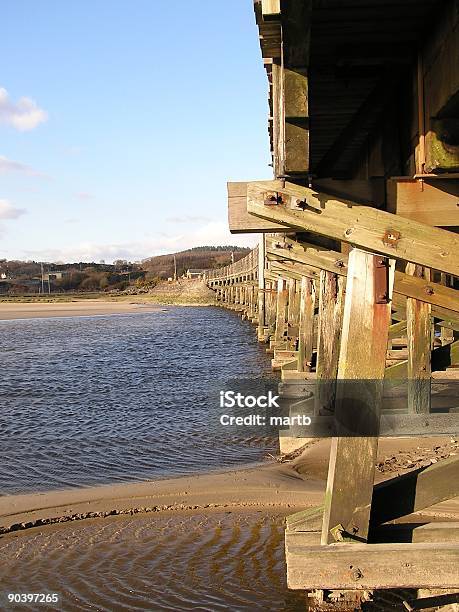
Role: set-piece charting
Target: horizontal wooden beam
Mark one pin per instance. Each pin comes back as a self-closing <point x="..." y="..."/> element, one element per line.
<point x="270" y="8"/>
<point x="296" y="269"/>
<point x="240" y="222"/>
<point x="390" y="425"/>
<point x="432" y="203"/>
<point x="406" y="285"/>
<point x="416" y="490"/>
<point x="372" y="566"/>
<point x="303" y="209"/>
<point x="306" y="531"/>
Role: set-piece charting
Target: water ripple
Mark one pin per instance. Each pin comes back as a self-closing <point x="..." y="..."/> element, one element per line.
<point x="118" y="398"/>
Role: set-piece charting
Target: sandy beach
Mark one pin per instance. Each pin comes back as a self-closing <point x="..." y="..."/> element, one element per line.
<point x="207" y="541"/>
<point x="280" y="488"/>
<point x="77" y="308"/>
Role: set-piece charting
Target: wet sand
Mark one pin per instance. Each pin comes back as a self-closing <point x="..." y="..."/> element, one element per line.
<point x="278" y="488"/>
<point x="84" y="308"/>
<point x="205" y="542"/>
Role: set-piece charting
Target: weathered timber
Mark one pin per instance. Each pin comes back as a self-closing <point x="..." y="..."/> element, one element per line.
<point x="239" y="220"/>
<point x="330" y="318"/>
<point x="415" y="491"/>
<point x="291" y="106"/>
<point x="306" y="325"/>
<point x="396" y="329"/>
<point x="431" y="202"/>
<point x="261" y="287"/>
<point x="309" y="533"/>
<point x="270" y="8"/>
<point x="419" y="332"/>
<point x="362" y="358"/>
<point x="281" y="309"/>
<point x="440" y="296"/>
<point x="292" y="308"/>
<point x="373" y="566"/>
<point x="305" y="210"/>
<point x="393" y="423"/>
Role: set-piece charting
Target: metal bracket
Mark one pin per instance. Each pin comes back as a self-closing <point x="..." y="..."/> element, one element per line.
<point x="381" y="279"/>
<point x="272" y="198"/>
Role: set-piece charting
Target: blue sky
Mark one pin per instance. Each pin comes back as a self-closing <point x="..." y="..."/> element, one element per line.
<point x="120" y="123"/>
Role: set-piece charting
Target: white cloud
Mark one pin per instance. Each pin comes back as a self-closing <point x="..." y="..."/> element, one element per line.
<point x="214" y="233"/>
<point x="8" y="211"/>
<point x="9" y="165"/>
<point x="24" y="115"/>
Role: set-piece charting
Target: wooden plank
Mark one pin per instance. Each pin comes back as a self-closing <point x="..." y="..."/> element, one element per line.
<point x="431" y="202"/>
<point x="261" y="287"/>
<point x="330" y="318"/>
<point x="441" y="298"/>
<point x="296" y="114"/>
<point x="290" y="93"/>
<point x="306" y="520"/>
<point x="416" y="490"/>
<point x="306" y="325"/>
<point x="437" y="532"/>
<point x="292" y="308"/>
<point x="397" y="329"/>
<point x="239" y="220"/>
<point x="293" y="270"/>
<point x="362" y="358"/>
<point x="281" y="310"/>
<point x="372" y="566"/>
<point x="270" y="8"/>
<point x="392" y="424"/>
<point x="306" y="530"/>
<point x="419" y="333"/>
<point x="361" y="226"/>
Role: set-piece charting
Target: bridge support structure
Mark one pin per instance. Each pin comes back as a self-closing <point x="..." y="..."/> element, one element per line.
<point x="351" y="311"/>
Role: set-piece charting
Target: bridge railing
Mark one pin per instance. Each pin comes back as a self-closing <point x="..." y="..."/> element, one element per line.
<point x="247" y="266"/>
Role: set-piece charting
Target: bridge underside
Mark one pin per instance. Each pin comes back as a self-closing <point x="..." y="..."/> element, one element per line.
<point x="354" y="285"/>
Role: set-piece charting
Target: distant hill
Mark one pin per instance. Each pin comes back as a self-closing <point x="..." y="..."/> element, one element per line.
<point x="162" y="266"/>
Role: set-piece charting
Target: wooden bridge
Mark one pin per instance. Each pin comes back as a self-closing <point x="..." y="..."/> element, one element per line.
<point x="356" y="276"/>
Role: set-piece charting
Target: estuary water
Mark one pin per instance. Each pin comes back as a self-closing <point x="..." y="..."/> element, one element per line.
<point x="104" y="399"/>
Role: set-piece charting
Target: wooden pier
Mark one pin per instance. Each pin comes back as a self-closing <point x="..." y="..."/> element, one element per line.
<point x="355" y="280"/>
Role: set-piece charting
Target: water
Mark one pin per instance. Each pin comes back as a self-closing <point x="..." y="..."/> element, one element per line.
<point x="215" y="563"/>
<point x="92" y="400"/>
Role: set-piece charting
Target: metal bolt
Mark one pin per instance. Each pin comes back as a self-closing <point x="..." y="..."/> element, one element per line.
<point x="356" y="573"/>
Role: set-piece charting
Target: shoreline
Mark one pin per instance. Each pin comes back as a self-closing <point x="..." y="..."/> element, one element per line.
<point x="269" y="487"/>
<point x="14" y="311"/>
<point x="279" y="488"/>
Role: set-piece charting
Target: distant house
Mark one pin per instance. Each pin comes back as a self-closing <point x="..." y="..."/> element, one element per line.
<point x="50" y="276"/>
<point x="194" y="273"/>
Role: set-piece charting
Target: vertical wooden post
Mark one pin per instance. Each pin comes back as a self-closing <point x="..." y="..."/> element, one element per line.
<point x="306" y="324"/>
<point x="261" y="287"/>
<point x="362" y="359"/>
<point x="271" y="309"/>
<point x="281" y="309"/>
<point x="446" y="335"/>
<point x="331" y="303"/>
<point x="419" y="332"/>
<point x="292" y="316"/>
